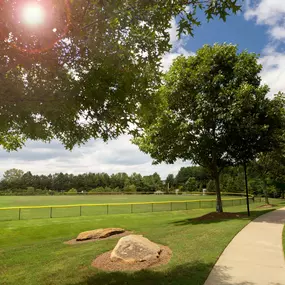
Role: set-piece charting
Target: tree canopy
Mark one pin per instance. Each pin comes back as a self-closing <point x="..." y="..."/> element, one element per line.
<point x="90" y="68"/>
<point x="12" y="175"/>
<point x="16" y="182"/>
<point x="204" y="97"/>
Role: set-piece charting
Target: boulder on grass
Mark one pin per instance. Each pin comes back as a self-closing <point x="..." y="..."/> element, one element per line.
<point x="99" y="233"/>
<point x="135" y="248"/>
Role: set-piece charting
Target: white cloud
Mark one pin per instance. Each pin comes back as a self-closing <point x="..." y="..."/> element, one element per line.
<point x="278" y="33"/>
<point x="96" y="156"/>
<point x="268" y="12"/>
<point x="169" y="57"/>
<point x="273" y="72"/>
<point x="272" y="14"/>
<point x="178" y="47"/>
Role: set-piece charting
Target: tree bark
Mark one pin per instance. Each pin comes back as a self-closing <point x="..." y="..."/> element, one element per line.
<point x="246" y="189"/>
<point x="282" y="195"/>
<point x="265" y="194"/>
<point x="219" y="205"/>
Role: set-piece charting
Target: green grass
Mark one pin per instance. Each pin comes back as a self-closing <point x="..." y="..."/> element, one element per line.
<point x="23" y="214"/>
<point x="32" y="251"/>
<point x="9" y="201"/>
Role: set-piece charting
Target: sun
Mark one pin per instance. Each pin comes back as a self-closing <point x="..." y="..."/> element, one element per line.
<point x="33" y="14"/>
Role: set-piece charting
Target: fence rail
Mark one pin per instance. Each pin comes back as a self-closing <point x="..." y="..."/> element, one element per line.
<point x="57" y="211"/>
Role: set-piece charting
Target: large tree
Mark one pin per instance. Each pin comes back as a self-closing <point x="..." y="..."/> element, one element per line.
<point x="12" y="175"/>
<point x="184" y="173"/>
<point x="201" y="97"/>
<point x="89" y="68"/>
<point x="255" y="130"/>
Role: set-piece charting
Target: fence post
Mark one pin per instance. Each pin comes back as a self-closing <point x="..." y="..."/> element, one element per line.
<point x="186" y="205"/>
<point x="50" y="212"/>
<point x="19" y="213"/>
<point x="80" y="210"/>
<point x="107" y="209"/>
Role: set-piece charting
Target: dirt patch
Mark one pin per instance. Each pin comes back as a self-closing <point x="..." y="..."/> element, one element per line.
<point x="219" y="216"/>
<point x="104" y="262"/>
<point x="266" y="206"/>
<point x="74" y="241"/>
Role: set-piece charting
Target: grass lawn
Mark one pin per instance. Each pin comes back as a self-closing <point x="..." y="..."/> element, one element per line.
<point x="32" y="251"/>
<point x="17" y="201"/>
<point x="13" y="201"/>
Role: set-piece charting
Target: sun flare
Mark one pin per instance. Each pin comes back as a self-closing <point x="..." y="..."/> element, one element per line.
<point x="33" y="14"/>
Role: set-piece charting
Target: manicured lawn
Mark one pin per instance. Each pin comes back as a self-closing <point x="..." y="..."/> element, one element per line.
<point x="112" y="208"/>
<point x="11" y="201"/>
<point x="32" y="251"/>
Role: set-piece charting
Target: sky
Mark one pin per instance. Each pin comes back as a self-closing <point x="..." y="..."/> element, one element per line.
<point x="259" y="28"/>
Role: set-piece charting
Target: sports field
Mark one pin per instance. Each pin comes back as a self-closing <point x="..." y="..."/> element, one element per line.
<point x="36" y="207"/>
<point x="13" y="201"/>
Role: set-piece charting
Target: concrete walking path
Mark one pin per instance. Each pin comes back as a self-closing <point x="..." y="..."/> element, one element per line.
<point x="255" y="256"/>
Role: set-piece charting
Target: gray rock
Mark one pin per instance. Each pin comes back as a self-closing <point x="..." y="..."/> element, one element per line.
<point x="135" y="248"/>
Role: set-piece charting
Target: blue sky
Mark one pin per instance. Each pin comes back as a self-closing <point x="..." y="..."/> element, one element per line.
<point x="260" y="28"/>
<point x="235" y="30"/>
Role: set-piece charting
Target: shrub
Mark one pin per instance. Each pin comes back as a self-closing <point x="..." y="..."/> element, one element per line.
<point x="72" y="191"/>
<point x="190" y="185"/>
<point x="30" y="191"/>
<point x="108" y="189"/>
<point x="272" y="191"/>
<point x="130" y="188"/>
<point x="97" y="190"/>
<point x="117" y="189"/>
<point x="211" y="186"/>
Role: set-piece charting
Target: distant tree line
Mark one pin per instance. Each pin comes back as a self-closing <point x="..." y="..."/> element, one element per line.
<point x="188" y="179"/>
<point x="15" y="180"/>
<point x="264" y="178"/>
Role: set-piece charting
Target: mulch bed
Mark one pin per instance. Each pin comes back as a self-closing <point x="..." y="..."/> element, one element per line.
<point x="219" y="216"/>
<point x="266" y="206"/>
<point x="74" y="241"/>
<point x="104" y="262"/>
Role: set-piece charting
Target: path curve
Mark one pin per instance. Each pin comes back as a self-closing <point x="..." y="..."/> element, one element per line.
<point x="255" y="255"/>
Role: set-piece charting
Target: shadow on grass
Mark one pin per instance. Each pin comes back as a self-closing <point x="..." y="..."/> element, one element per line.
<point x="197" y="221"/>
<point x="186" y="274"/>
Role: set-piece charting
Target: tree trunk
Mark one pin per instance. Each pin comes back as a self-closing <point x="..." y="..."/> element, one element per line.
<point x="282" y="195"/>
<point x="219" y="205"/>
<point x="246" y="189"/>
<point x="265" y="194"/>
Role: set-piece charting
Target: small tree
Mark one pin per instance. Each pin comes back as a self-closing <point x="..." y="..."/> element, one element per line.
<point x="130" y="188"/>
<point x="272" y="165"/>
<point x="201" y="97"/>
<point x="72" y="191"/>
<point x="169" y="181"/>
<point x="190" y="185"/>
<point x="211" y="186"/>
